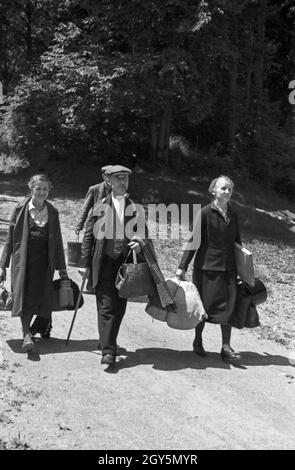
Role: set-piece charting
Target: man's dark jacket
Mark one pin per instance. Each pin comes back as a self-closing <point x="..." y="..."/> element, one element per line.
<point x="94" y="194"/>
<point x="93" y="248"/>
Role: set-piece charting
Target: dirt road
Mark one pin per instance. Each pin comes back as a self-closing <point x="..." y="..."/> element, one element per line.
<point x="162" y="396"/>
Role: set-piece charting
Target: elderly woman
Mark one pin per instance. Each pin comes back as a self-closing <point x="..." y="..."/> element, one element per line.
<point x="214" y="271"/>
<point x="34" y="243"/>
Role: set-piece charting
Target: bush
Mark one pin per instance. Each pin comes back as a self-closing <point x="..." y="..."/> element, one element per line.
<point x="11" y="163"/>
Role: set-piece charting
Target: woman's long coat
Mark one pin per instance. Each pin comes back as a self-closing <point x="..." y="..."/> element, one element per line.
<point x="15" y="248"/>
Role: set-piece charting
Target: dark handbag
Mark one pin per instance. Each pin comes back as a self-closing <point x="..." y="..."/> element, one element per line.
<point x="134" y="279"/>
<point x="257" y="293"/>
<point x="246" y="315"/>
<point x="58" y="303"/>
<point x="6" y="299"/>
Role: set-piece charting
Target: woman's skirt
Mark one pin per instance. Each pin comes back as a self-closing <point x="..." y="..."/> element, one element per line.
<point x="218" y="291"/>
<point x="36" y="270"/>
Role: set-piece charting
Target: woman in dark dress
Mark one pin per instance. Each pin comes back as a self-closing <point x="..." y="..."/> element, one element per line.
<point x="34" y="243"/>
<point x="214" y="271"/>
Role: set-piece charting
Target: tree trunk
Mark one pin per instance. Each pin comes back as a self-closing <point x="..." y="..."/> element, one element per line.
<point x="28" y="11"/>
<point x="260" y="50"/>
<point x="249" y="71"/>
<point x="233" y="84"/>
<point x="163" y="142"/>
<point x="153" y="141"/>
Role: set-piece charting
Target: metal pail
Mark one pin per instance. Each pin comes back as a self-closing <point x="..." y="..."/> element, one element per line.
<point x="74" y="253"/>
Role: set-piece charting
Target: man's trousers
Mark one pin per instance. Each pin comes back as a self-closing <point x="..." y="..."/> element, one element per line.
<point x="110" y="307"/>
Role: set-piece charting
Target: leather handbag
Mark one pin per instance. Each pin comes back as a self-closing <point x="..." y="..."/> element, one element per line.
<point x="246" y="315"/>
<point x="134" y="279"/>
<point x="6" y="299"/>
<point x="65" y="295"/>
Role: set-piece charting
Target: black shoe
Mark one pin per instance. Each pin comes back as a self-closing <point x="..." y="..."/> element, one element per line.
<point x="199" y="349"/>
<point x="33" y="331"/>
<point x="108" y="359"/>
<point x="47" y="331"/>
<point x="230" y="355"/>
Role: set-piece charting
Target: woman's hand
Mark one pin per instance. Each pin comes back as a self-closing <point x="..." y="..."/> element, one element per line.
<point x="63" y="274"/>
<point x="2" y="274"/>
<point x="135" y="246"/>
<point x="84" y="272"/>
<point x="180" y="274"/>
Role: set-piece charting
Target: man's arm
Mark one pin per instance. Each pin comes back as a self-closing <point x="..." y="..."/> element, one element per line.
<point x="88" y="204"/>
<point x="87" y="244"/>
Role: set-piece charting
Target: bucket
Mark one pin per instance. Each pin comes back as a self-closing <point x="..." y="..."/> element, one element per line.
<point x="74" y="253"/>
<point x="257" y="293"/>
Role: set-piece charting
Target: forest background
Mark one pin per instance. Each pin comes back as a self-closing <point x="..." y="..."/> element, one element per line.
<point x="197" y="86"/>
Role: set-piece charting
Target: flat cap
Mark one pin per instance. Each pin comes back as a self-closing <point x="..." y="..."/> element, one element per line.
<point x="118" y="170"/>
<point x="105" y="168"/>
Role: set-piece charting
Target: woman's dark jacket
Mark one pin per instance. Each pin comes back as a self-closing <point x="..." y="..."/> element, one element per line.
<point x="217" y="248"/>
<point x="16" y="248"/>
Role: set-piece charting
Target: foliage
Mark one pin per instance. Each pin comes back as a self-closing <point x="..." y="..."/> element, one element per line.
<point x="92" y="81"/>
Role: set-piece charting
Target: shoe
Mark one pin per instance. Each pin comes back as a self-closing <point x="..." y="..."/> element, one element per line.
<point x="47" y="331"/>
<point x="33" y="331"/>
<point x="230" y="354"/>
<point x="28" y="343"/>
<point x="199" y="349"/>
<point x="108" y="359"/>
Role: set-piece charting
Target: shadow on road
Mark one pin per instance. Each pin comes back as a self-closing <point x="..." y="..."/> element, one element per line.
<point x="55" y="345"/>
<point x="169" y="360"/>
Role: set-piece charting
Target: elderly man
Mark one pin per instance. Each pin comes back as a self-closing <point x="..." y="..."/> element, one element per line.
<point x="104" y="253"/>
<point x="94" y="194"/>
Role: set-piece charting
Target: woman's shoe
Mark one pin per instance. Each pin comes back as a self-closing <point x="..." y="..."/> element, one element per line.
<point x="47" y="331"/>
<point x="28" y="343"/>
<point x="230" y="354"/>
<point x="33" y="331"/>
<point x="199" y="349"/>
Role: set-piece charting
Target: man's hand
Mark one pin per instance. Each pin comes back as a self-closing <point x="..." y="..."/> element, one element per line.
<point x="135" y="246"/>
<point x="2" y="274"/>
<point x="180" y="274"/>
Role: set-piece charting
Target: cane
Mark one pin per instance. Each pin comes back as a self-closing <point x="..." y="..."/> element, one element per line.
<point x="77" y="304"/>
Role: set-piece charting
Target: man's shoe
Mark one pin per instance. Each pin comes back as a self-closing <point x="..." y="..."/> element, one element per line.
<point x="108" y="359"/>
<point x="199" y="349"/>
<point x="28" y="343"/>
<point x="230" y="355"/>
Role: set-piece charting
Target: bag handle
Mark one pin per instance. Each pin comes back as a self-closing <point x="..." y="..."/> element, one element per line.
<point x="134" y="257"/>
<point x="173" y="296"/>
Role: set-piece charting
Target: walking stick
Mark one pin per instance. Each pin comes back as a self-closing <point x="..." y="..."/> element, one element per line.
<point x="77" y="304"/>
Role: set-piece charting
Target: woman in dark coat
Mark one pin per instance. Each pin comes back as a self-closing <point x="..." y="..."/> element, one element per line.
<point x="214" y="271"/>
<point x="34" y="244"/>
